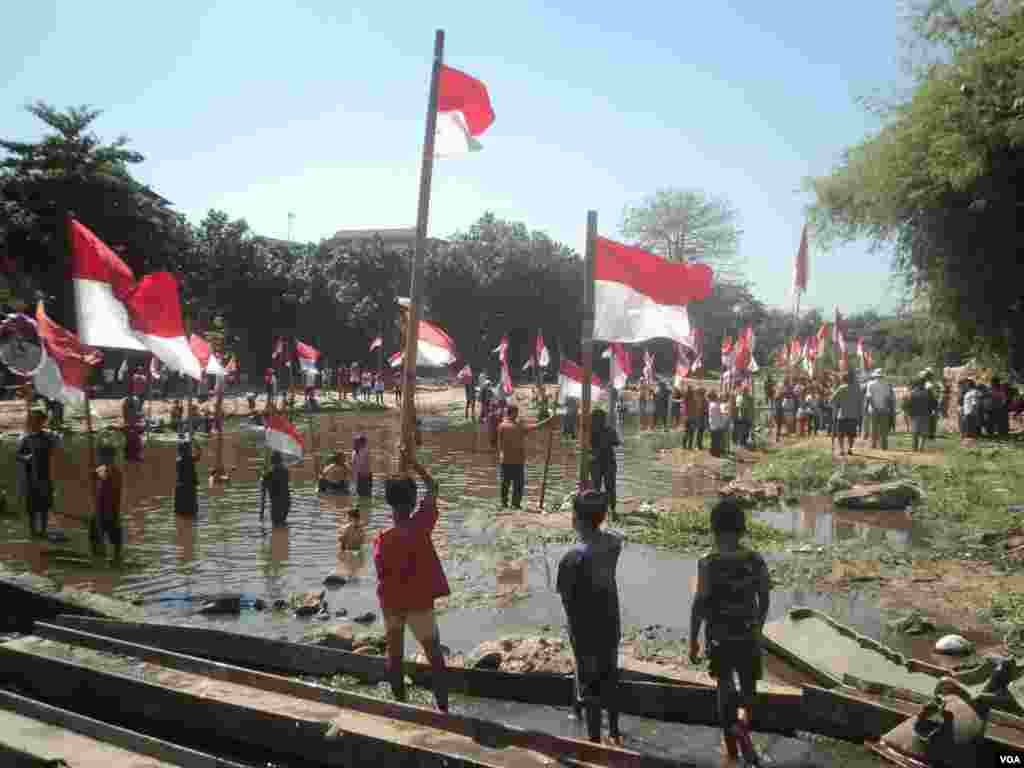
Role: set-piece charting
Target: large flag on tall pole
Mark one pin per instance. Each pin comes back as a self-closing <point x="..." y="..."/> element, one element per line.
<point x="639" y="296"/>
<point x="800" y="267"/>
<point x="116" y="310"/>
<point x="463" y="113"/>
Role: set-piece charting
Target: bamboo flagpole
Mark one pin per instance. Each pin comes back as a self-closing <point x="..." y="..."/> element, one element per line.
<point x="415" y="281"/>
<point x="588" y="346"/>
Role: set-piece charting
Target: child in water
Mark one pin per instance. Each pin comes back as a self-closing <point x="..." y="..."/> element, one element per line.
<point x="185" y="501"/>
<point x="733" y="595"/>
<point x="353" y="535"/>
<point x="336" y="476"/>
<point x="107" y="522"/>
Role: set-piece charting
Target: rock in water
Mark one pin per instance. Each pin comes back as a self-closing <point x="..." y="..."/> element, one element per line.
<point x="954" y="645"/>
<point x="224" y="604"/>
<point x="365" y="618"/>
<point x="335" y="580"/>
<point x="896" y="495"/>
<point x="491" y="660"/>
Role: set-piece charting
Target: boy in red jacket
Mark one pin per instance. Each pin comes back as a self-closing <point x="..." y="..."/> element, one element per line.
<point x="410" y="578"/>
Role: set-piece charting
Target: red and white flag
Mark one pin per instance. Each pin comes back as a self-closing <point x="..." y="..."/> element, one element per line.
<point x="278" y="356"/>
<point x="541" y="352"/>
<point x="648" y="367"/>
<point x="209" y="363"/>
<point x="154" y="369"/>
<point x="863" y="354"/>
<point x="65" y="371"/>
<point x="115" y="310"/>
<point x="745" y="350"/>
<point x="621" y="366"/>
<point x="502" y="349"/>
<point x="283" y="436"/>
<point x="639" y="296"/>
<point x="728" y="354"/>
<point x="465" y="375"/>
<point x="307" y="356"/>
<point x="529" y="363"/>
<point x="377" y="342"/>
<point x="800" y="267"/>
<point x="232" y="369"/>
<point x="570" y="382"/>
<point x="463" y="113"/>
<point x="839" y="340"/>
<point x="395" y="361"/>
<point x="506" y="378"/>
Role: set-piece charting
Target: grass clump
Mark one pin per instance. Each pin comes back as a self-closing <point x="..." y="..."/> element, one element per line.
<point x="800" y="469"/>
<point x="687" y="527"/>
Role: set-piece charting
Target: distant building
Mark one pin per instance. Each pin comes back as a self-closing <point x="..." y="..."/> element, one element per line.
<point x="392" y="238"/>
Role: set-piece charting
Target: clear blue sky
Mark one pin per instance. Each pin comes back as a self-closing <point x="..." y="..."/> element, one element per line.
<point x="318" y="108"/>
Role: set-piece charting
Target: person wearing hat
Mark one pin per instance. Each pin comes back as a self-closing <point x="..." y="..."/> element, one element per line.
<point x="590" y="596"/>
<point x="922" y="406"/>
<point x="880" y="408"/>
<point x="35" y="455"/>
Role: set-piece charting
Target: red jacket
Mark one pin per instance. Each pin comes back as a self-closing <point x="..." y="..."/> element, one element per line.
<point x="409" y="572"/>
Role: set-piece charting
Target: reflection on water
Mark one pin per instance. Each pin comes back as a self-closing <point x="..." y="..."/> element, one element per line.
<point x="816" y="518"/>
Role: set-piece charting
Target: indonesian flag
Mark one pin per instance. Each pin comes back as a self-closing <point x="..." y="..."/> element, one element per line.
<point x="822" y="335"/>
<point x="863" y="354"/>
<point x="621" y="366"/>
<point x="376" y="343"/>
<point x="123" y="370"/>
<point x="283" y="436"/>
<point x="463" y="113"/>
<point x="811" y="348"/>
<point x="728" y="354"/>
<point x="796" y="351"/>
<point x="115" y="310"/>
<point x="506" y="378"/>
<point x="208" y="362"/>
<point x="465" y="375"/>
<point x="307" y="356"/>
<point x="154" y="369"/>
<point x="529" y="363"/>
<point x="278" y="356"/>
<point x="502" y="349"/>
<point x="541" y="352"/>
<point x="744" y="351"/>
<point x="396" y="359"/>
<point x="800" y="268"/>
<point x="648" y="367"/>
<point x="232" y="369"/>
<point x="65" y="371"/>
<point x="435" y="348"/>
<point x="570" y="382"/>
<point x="639" y="296"/>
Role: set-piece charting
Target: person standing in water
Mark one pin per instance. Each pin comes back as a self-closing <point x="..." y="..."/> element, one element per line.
<point x="590" y="596"/>
<point x="512" y="454"/>
<point x="131" y="412"/>
<point x="603" y="467"/>
<point x="107" y="522"/>
<point x="276" y="485"/>
<point x="733" y="596"/>
<point x="336" y="476"/>
<point x="185" y="500"/>
<point x="410" y="577"/>
<point x="361" y="465"/>
<point x="35" y="454"/>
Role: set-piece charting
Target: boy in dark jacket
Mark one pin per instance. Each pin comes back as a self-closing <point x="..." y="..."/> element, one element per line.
<point x="107" y="523"/>
<point x="733" y="594"/>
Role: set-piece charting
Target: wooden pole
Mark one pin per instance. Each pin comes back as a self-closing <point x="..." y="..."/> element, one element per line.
<point x="547" y="461"/>
<point x="588" y="345"/>
<point x="422" y="216"/>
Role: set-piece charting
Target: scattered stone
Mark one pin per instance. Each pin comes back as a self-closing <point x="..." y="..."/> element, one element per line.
<point x="341" y="612"/>
<point x="527" y="654"/>
<point x="899" y="494"/>
<point x="223" y="604"/>
<point x="491" y="660"/>
<point x="751" y="494"/>
<point x="365" y="618"/>
<point x="308" y="603"/>
<point x="335" y="580"/>
<point x="954" y="645"/>
<point x="323" y="616"/>
<point x="280" y="604"/>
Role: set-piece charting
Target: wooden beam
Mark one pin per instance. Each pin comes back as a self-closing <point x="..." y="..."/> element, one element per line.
<point x="133" y="741"/>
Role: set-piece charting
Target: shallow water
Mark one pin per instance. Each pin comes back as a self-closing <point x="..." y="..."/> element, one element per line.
<point x="173" y="561"/>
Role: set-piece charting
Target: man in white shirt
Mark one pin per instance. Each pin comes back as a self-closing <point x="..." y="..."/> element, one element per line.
<point x="880" y="407"/>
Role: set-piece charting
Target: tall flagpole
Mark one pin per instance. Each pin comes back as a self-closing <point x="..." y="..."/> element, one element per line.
<point x="422" y="215"/>
<point x="588" y="345"/>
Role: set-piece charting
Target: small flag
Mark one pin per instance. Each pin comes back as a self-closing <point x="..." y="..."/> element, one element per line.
<point x="465" y="375"/>
<point x="307" y="356"/>
<point x="65" y="371"/>
<point x="282" y="436"/>
<point x="154" y="368"/>
<point x="570" y="382"/>
<point x="395" y="361"/>
<point x="541" y="352"/>
<point x="648" y="367"/>
<point x="463" y="113"/>
<point x="502" y="349"/>
<point x="529" y="363"/>
<point x="376" y="343"/>
<point x="123" y="370"/>
<point x="728" y="354"/>
<point x="278" y="356"/>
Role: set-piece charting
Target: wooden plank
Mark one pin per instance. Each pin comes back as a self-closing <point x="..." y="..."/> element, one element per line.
<point x="271" y="735"/>
<point x="692" y="704"/>
<point x="483" y="731"/>
<point x="158" y="749"/>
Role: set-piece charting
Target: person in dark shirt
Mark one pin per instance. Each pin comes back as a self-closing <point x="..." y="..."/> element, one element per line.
<point x="590" y="596"/>
<point x="661" y="404"/>
<point x="733" y="593"/>
<point x="570" y="417"/>
<point x="922" y="406"/>
<point x="107" y="522"/>
<point x="35" y="455"/>
<point x="603" y="468"/>
<point x="185" y="501"/>
<point x="276" y="485"/>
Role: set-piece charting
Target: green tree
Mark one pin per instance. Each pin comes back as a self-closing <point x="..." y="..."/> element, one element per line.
<point x="686" y="225"/>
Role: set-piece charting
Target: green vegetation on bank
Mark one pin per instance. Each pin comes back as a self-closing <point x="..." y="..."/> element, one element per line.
<point x="798" y="468"/>
<point x="686" y="527"/>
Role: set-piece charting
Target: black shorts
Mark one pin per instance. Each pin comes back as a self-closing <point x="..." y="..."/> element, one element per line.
<point x="110" y="529"/>
<point x="846" y="428"/>
<point x="470" y="393"/>
<point x="742" y="655"/>
<point x="333" y="486"/>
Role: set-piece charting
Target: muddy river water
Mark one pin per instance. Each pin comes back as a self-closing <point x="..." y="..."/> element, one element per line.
<point x="172" y="561"/>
